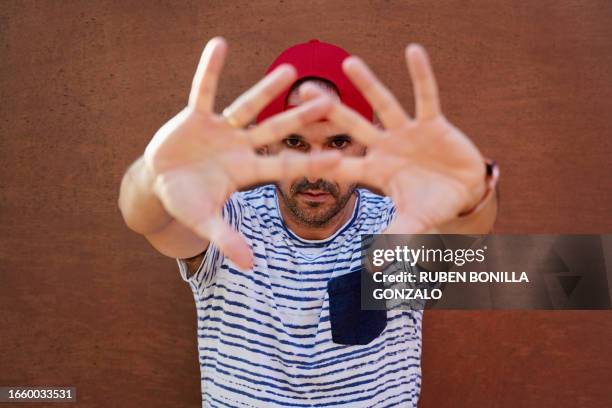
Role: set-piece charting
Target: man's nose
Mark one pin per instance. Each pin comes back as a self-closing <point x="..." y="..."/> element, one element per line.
<point x="311" y="178"/>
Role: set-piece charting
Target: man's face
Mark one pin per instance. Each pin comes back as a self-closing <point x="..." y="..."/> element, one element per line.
<point x="311" y="201"/>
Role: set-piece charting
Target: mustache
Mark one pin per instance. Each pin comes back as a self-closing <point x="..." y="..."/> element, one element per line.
<point x="323" y="185"/>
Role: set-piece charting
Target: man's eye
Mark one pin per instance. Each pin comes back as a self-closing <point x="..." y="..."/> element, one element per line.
<point x="293" y="142"/>
<point x="339" y="143"/>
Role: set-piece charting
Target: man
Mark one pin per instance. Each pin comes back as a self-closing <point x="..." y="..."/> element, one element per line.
<point x="270" y="266"/>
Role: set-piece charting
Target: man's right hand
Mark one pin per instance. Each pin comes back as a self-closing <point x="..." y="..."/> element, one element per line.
<point x="199" y="158"/>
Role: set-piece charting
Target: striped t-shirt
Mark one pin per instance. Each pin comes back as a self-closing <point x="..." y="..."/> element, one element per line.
<point x="265" y="335"/>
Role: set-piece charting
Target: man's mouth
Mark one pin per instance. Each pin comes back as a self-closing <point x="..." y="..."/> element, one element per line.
<point x="315" y="195"/>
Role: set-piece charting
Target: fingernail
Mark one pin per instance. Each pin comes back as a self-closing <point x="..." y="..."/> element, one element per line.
<point x="351" y="61"/>
<point x="287" y="68"/>
<point x="414" y="48"/>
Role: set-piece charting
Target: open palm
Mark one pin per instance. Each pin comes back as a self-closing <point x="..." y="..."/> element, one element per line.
<point x="199" y="158"/>
<point x="430" y="169"/>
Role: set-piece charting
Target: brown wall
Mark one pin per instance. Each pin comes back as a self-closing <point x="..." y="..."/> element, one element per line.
<point x="83" y="85"/>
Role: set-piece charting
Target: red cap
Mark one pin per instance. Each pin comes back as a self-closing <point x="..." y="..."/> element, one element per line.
<point x="320" y="60"/>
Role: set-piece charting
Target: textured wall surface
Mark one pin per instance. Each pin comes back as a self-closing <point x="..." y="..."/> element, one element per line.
<point x="84" y="85"/>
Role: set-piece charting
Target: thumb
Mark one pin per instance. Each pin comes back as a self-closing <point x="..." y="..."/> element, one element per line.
<point x="230" y="242"/>
<point x="309" y="91"/>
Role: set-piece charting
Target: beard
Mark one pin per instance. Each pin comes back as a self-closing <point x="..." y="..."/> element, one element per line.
<point x="315" y="214"/>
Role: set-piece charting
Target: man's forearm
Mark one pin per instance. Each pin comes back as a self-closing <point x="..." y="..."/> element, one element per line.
<point x="140" y="207"/>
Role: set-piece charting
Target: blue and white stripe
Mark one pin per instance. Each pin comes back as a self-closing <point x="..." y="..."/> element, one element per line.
<point x="264" y="335"/>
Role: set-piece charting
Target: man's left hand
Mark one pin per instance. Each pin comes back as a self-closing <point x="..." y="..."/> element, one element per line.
<point x="430" y="169"/>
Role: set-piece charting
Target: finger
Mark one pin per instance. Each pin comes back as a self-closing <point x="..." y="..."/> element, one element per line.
<point x="354" y="124"/>
<point x="347" y="119"/>
<point x="206" y="78"/>
<point x="309" y="91"/>
<point x="231" y="243"/>
<point x="351" y="170"/>
<point x="250" y="103"/>
<point x="279" y="126"/>
<point x="288" y="166"/>
<point x="424" y="82"/>
<point x="382" y="100"/>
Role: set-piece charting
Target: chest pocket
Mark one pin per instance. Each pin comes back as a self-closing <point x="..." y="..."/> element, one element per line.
<point x="350" y="325"/>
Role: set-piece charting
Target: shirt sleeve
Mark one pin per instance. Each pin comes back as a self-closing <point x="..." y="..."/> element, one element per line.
<point x="387" y="214"/>
<point x="204" y="275"/>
